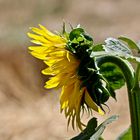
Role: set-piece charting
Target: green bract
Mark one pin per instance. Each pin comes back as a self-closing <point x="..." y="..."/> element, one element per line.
<point x="105" y="67"/>
<point x="100" y="82"/>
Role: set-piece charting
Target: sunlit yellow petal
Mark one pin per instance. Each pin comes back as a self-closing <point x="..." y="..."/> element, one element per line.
<point x="39" y="56"/>
<point x="38" y="49"/>
<point x="49" y="71"/>
<point x="62" y="66"/>
<point x="52" y="83"/>
<point x="52" y="37"/>
<point x="92" y="104"/>
<point x="39" y="38"/>
<point x="45" y="30"/>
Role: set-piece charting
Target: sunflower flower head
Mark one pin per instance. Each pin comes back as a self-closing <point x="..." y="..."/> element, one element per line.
<point x="70" y="68"/>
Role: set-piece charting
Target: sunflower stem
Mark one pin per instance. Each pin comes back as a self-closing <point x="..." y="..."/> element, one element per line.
<point x="135" y="93"/>
<point x="132" y="81"/>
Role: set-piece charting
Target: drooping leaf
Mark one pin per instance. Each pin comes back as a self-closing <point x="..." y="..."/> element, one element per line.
<point x="116" y="47"/>
<point x="88" y="131"/>
<point x="128" y="57"/>
<point x="126" y="135"/>
<point x="113" y="45"/>
<point x="131" y="58"/>
<point x="100" y="129"/>
<point x="130" y="43"/>
<point x="113" y="75"/>
<point x="92" y="132"/>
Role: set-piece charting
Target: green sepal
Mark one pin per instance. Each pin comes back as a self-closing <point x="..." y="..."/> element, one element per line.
<point x="64" y="32"/>
<point x="75" y="33"/>
<point x="98" y="47"/>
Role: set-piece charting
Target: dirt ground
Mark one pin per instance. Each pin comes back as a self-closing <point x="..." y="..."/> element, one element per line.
<point x="27" y="110"/>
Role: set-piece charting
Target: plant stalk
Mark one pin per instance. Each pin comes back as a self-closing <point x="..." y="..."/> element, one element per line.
<point x="135" y="93"/>
<point x="132" y="81"/>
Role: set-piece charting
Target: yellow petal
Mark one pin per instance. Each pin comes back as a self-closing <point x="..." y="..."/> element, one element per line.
<point x="57" y="53"/>
<point x="65" y="95"/>
<point x="47" y="31"/>
<point x="52" y="37"/>
<point x="39" y="38"/>
<point x="49" y="71"/>
<point x="37" y="31"/>
<point x="71" y="58"/>
<point x="51" y="61"/>
<point x="52" y="83"/>
<point x="92" y="104"/>
<point x="39" y="49"/>
<point x="39" y="56"/>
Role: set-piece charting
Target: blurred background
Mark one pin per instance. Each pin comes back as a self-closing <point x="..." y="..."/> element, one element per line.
<point x="27" y="110"/>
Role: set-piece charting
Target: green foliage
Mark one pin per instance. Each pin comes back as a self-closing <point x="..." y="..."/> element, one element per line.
<point x="115" y="46"/>
<point x="98" y="47"/>
<point x="127" y="135"/>
<point x="79" y="43"/>
<point x="131" y="43"/>
<point x="113" y="75"/>
<point x="75" y="33"/>
<point x="103" y="68"/>
<point x="94" y="132"/>
<point x="100" y="129"/>
<point x="88" y="131"/>
<point x="102" y="76"/>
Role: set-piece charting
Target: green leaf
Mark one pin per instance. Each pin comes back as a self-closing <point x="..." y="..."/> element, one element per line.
<point x="100" y="129"/>
<point x="126" y="135"/>
<point x="131" y="58"/>
<point x="130" y="43"/>
<point x="101" y="138"/>
<point x="92" y="132"/>
<point x="98" y="47"/>
<point x="116" y="46"/>
<point x="113" y="75"/>
<point x="88" y="131"/>
<point x="76" y="33"/>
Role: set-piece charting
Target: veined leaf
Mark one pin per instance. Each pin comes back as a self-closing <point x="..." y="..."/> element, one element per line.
<point x="130" y="43"/>
<point x="100" y="129"/>
<point x="127" y="135"/>
<point x="116" y="46"/>
<point x="128" y="57"/>
<point x="92" y="132"/>
<point x="88" y="131"/>
<point x="113" y="75"/>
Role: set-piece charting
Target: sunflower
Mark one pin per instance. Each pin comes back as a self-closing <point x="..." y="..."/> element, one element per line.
<point x="63" y="62"/>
